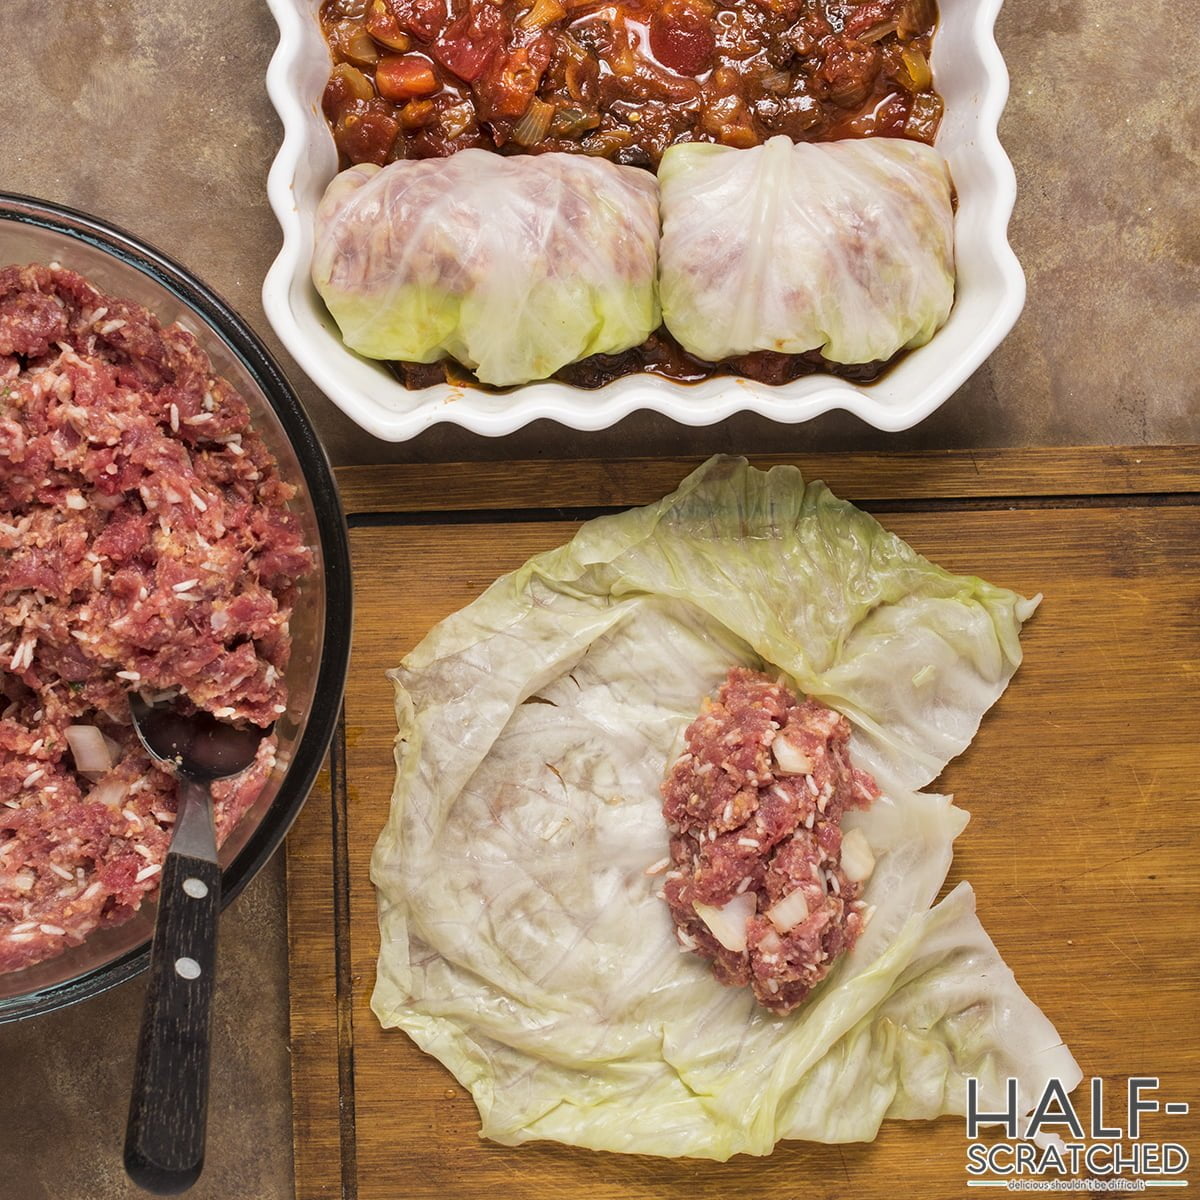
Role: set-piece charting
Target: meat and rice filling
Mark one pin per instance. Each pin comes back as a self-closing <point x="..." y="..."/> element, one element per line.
<point x="145" y="544"/>
<point x="762" y="880"/>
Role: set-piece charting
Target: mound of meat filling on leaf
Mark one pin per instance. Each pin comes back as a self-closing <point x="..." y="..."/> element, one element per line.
<point x="762" y="879"/>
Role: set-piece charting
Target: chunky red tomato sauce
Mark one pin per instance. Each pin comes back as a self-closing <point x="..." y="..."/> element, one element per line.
<point x="623" y="79"/>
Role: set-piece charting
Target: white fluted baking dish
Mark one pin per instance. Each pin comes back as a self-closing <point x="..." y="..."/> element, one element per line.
<point x="968" y="71"/>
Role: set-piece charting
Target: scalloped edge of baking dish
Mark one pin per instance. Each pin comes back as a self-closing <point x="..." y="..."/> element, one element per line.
<point x="970" y="74"/>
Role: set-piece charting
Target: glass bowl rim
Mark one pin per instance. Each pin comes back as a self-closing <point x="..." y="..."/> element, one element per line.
<point x="248" y="348"/>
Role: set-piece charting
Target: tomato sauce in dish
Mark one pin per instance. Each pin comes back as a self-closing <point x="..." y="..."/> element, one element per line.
<point x="660" y="354"/>
<point x="623" y="79"/>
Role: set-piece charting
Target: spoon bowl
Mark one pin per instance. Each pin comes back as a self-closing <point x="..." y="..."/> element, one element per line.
<point x="198" y="746"/>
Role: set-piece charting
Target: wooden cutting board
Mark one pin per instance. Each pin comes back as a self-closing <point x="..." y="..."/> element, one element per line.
<point x="1082" y="785"/>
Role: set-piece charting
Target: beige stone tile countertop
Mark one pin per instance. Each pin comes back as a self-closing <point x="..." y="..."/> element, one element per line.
<point x="152" y="114"/>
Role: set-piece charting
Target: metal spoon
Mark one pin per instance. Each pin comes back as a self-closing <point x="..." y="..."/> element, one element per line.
<point x="164" y="1139"/>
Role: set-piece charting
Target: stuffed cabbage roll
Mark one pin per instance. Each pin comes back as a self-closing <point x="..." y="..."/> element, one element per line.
<point x="843" y="247"/>
<point x="513" y="266"/>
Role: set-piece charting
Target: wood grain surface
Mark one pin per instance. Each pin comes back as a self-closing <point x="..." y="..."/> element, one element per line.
<point x="927" y="475"/>
<point x="1082" y="787"/>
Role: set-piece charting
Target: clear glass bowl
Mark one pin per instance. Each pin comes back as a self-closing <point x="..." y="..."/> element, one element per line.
<point x="35" y="231"/>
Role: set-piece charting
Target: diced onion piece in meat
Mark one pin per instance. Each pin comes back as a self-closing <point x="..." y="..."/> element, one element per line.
<point x="789" y="912"/>
<point x="778" y="83"/>
<point x="456" y="119"/>
<point x="728" y="923"/>
<point x="770" y="943"/>
<point x="111" y="792"/>
<point x="89" y="748"/>
<point x="789" y="759"/>
<point x="351" y="43"/>
<point x="857" y="860"/>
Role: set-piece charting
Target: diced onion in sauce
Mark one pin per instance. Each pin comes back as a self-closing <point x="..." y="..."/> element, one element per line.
<point x="354" y="81"/>
<point x="534" y="124"/>
<point x="924" y="117"/>
<point x="776" y="82"/>
<point x="878" y="32"/>
<point x="728" y="923"/>
<point x="917" y="76"/>
<point x="543" y="13"/>
<point x="353" y="44"/>
<point x="457" y="119"/>
<point x="573" y="122"/>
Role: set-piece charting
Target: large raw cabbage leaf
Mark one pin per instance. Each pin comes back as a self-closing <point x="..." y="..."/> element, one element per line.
<point x="843" y="247"/>
<point x="514" y="266"/>
<point x="522" y="942"/>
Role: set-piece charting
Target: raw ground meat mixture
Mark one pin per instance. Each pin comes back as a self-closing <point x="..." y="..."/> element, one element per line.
<point x="754" y="808"/>
<point x="145" y="543"/>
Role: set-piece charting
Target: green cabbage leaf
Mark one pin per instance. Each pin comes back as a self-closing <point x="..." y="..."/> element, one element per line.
<point x="513" y="266"/>
<point x="845" y="247"/>
<point x="522" y="942"/>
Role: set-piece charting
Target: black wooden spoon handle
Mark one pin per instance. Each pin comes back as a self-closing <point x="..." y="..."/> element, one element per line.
<point x="164" y="1144"/>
